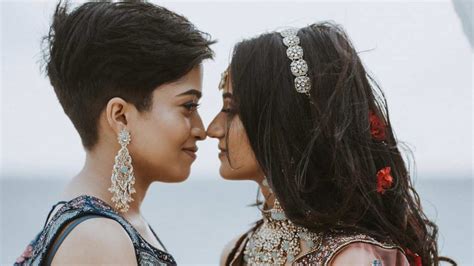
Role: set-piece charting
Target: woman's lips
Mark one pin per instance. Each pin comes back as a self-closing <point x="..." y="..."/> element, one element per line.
<point x="222" y="153"/>
<point x="192" y="154"/>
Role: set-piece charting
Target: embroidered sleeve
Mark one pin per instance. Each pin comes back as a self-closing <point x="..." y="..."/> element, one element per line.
<point x="353" y="249"/>
<point x="360" y="253"/>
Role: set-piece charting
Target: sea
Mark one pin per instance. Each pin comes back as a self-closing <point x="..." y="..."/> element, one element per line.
<point x="195" y="219"/>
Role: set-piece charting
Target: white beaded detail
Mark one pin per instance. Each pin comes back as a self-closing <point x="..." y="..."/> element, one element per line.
<point x="291" y="40"/>
<point x="278" y="241"/>
<point x="294" y="52"/>
<point x="289" y="32"/>
<point x="298" y="66"/>
<point x="302" y="84"/>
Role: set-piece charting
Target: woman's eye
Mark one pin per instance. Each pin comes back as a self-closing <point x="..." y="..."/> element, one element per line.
<point x="191" y="106"/>
<point x="226" y="110"/>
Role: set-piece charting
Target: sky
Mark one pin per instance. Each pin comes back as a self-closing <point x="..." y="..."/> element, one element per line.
<point x="417" y="51"/>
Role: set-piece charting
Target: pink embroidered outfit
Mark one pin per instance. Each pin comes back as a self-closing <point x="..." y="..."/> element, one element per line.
<point x="335" y="248"/>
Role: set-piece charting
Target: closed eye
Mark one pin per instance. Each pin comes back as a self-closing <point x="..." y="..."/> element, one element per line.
<point x="191" y="106"/>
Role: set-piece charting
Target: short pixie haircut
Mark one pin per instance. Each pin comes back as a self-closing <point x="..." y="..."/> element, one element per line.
<point x="102" y="50"/>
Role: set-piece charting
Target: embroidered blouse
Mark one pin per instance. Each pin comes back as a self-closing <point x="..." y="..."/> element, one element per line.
<point x="42" y="248"/>
<point x="340" y="246"/>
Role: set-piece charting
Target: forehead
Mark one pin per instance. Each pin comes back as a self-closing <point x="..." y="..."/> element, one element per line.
<point x="191" y="81"/>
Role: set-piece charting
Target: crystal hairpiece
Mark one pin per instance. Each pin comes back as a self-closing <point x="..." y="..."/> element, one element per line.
<point x="298" y="66"/>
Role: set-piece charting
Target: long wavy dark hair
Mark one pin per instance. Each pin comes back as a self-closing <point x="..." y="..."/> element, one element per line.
<point x="317" y="151"/>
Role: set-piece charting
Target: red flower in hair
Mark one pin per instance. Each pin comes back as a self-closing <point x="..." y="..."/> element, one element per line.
<point x="416" y="257"/>
<point x="384" y="179"/>
<point x="377" y="127"/>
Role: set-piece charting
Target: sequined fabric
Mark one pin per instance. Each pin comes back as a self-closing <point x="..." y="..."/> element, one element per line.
<point x="145" y="253"/>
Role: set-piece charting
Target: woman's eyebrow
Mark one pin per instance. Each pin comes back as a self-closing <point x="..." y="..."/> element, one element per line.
<point x="191" y="92"/>
<point x="227" y="95"/>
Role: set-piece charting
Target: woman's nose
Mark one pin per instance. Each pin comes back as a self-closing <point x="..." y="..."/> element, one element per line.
<point x="199" y="133"/>
<point x="215" y="129"/>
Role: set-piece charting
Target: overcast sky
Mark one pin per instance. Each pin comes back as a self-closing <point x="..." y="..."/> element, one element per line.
<point x="419" y="55"/>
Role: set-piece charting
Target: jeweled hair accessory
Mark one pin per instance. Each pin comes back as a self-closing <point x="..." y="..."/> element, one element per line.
<point x="298" y="66"/>
<point x="223" y="81"/>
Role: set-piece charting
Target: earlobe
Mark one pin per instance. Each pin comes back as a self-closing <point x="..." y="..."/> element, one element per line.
<point x="116" y="113"/>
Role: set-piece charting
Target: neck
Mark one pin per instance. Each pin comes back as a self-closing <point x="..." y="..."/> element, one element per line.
<point x="94" y="180"/>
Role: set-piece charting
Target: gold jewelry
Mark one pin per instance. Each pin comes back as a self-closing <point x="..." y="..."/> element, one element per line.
<point x="223" y="81"/>
<point x="122" y="175"/>
<point x="278" y="240"/>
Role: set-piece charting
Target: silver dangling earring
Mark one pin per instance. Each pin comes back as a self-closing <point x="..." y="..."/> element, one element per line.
<point x="122" y="175"/>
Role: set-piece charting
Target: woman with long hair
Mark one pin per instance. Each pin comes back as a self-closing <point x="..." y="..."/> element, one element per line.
<point x="304" y="120"/>
<point x="129" y="77"/>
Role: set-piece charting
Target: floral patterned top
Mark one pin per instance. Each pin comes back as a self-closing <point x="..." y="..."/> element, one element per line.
<point x="72" y="213"/>
<point x="331" y="245"/>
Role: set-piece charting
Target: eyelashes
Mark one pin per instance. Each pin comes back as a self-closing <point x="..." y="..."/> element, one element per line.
<point x="191" y="106"/>
<point x="228" y="108"/>
<point x="229" y="112"/>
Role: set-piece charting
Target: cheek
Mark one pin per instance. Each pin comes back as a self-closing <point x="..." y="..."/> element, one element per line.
<point x="244" y="165"/>
<point x="158" y="146"/>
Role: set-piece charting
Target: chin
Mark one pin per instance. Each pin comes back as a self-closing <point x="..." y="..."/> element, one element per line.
<point x="226" y="177"/>
<point x="182" y="178"/>
<point x="239" y="174"/>
<point x="177" y="176"/>
<point x="229" y="174"/>
<point x="174" y="179"/>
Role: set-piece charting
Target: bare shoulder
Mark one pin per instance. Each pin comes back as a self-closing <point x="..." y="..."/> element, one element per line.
<point x="96" y="241"/>
<point x="360" y="253"/>
<point x="228" y="248"/>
